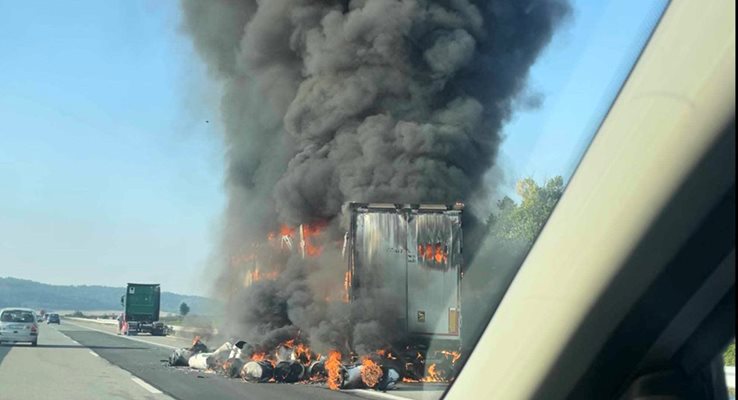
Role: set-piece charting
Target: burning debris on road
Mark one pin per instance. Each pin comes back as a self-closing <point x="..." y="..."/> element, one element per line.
<point x="181" y="357"/>
<point x="297" y="363"/>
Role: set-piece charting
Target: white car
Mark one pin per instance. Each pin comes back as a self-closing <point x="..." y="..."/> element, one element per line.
<point x="18" y="325"/>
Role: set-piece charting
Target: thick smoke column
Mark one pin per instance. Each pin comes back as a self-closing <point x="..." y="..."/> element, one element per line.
<point x="327" y="102"/>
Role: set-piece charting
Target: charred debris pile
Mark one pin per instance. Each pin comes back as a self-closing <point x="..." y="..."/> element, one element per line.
<point x="296" y="363"/>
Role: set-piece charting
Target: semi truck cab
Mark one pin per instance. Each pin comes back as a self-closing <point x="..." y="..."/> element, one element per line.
<point x="141" y="308"/>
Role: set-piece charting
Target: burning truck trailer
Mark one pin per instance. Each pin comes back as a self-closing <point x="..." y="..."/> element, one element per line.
<point x="413" y="251"/>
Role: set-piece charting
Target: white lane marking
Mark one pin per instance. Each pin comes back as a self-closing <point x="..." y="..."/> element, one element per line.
<point x="70" y="339"/>
<point x="374" y="393"/>
<point x="94" y="354"/>
<point x="145" y="385"/>
<point x="125" y="337"/>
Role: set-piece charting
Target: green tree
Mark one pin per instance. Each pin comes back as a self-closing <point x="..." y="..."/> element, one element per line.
<point x="523" y="221"/>
<point x="184" y="309"/>
<point x="729" y="356"/>
<point x="512" y="228"/>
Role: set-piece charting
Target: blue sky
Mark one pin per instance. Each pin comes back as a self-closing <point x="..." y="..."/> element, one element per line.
<point x="578" y="76"/>
<point x="109" y="173"/>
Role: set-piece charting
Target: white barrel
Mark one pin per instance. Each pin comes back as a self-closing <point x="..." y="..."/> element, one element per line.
<point x="199" y="361"/>
<point x="257" y="371"/>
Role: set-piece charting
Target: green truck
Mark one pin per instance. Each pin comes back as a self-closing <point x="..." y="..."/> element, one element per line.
<point x="141" y="305"/>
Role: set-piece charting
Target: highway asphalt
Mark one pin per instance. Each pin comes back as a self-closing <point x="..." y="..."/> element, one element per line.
<point x="60" y="368"/>
<point x="78" y="360"/>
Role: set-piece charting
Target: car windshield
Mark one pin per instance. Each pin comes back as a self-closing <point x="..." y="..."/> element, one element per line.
<point x="331" y="193"/>
<point x="17" y="316"/>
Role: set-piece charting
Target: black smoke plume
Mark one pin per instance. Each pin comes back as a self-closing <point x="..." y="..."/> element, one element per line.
<point x="326" y="102"/>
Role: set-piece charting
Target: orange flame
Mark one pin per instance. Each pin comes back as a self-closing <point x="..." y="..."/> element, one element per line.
<point x="455" y="355"/>
<point x="432" y="375"/>
<point x="440" y="255"/>
<point x="285" y="230"/>
<point x="306" y="233"/>
<point x="303" y="353"/>
<point x="258" y="357"/>
<point x="309" y="233"/>
<point x="386" y="354"/>
<point x="256" y="275"/>
<point x="433" y="252"/>
<point x="283" y="238"/>
<point x="333" y="366"/>
<point x="371" y="373"/>
<point x="346" y="286"/>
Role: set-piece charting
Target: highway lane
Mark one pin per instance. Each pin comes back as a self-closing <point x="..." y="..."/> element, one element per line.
<point x="413" y="391"/>
<point x="148" y="362"/>
<point x="60" y="368"/>
<point x="166" y="341"/>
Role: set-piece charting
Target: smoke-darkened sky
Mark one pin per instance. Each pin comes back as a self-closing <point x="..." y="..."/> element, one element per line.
<point x="109" y="172"/>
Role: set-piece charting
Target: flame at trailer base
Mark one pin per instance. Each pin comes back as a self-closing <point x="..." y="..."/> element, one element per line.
<point x="371" y="373"/>
<point x="334" y="368"/>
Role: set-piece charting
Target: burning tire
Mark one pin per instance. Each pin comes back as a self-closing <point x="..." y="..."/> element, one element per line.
<point x="289" y="372"/>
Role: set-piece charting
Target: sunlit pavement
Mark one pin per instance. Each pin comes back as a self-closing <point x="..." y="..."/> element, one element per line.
<point x="89" y="361"/>
<point x="60" y="368"/>
<point x="171" y="342"/>
<point x="414" y="391"/>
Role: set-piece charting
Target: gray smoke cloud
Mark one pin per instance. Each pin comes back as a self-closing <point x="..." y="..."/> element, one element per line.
<point x="327" y="102"/>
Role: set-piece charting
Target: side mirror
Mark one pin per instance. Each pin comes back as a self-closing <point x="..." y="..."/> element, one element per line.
<point x="122" y="301"/>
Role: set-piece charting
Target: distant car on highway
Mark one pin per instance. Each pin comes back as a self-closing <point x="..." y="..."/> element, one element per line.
<point x="18" y="325"/>
<point x="53" y="319"/>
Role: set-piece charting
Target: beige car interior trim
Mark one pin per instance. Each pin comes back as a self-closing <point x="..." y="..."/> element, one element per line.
<point x="670" y="111"/>
<point x="697" y="309"/>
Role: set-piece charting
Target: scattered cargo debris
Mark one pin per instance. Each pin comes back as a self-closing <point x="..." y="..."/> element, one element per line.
<point x="316" y="371"/>
<point x="242" y="350"/>
<point x="198" y="346"/>
<point x="296" y="363"/>
<point x="289" y="372"/>
<point x="180" y="357"/>
<point x="258" y="371"/>
<point x="232" y="367"/>
<point x="200" y="361"/>
<point x="389" y="380"/>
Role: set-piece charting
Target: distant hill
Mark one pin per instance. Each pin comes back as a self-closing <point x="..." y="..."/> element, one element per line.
<point x="24" y="293"/>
